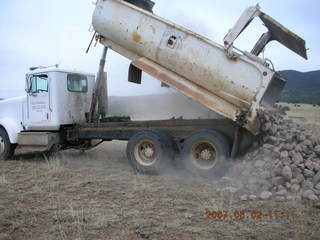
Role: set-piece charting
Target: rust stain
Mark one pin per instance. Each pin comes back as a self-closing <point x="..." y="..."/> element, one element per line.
<point x="157" y="53"/>
<point x="136" y="37"/>
<point x="154" y="29"/>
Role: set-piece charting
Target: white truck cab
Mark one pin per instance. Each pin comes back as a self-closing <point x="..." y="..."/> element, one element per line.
<point x="54" y="98"/>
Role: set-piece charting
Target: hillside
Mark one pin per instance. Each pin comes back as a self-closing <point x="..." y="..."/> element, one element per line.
<point x="301" y="87"/>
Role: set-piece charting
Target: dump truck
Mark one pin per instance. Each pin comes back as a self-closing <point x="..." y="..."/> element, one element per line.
<point x="66" y="109"/>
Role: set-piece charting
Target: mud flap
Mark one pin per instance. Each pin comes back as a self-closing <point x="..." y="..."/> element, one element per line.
<point x="272" y="95"/>
<point x="135" y="74"/>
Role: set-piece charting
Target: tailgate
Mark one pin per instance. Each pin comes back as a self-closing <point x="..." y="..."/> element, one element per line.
<point x="284" y="36"/>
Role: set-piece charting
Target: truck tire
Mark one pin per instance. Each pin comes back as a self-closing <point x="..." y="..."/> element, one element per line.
<point x="6" y="148"/>
<point x="206" y="153"/>
<point x="150" y="152"/>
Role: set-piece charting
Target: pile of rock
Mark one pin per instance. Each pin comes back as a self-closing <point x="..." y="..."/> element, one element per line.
<point x="284" y="164"/>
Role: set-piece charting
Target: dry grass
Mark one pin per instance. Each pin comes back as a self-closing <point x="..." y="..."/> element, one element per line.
<point x="96" y="195"/>
<point x="3" y="179"/>
<point x="306" y="115"/>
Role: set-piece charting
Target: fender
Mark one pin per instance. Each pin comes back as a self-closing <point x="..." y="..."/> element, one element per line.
<point x="12" y="127"/>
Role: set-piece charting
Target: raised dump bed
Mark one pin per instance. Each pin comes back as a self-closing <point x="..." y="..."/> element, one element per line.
<point x="235" y="85"/>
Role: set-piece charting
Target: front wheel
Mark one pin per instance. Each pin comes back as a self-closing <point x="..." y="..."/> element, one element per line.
<point x="6" y="148"/>
<point x="150" y="152"/>
<point x="206" y="153"/>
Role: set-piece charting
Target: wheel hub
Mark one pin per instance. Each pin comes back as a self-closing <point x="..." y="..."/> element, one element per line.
<point x="206" y="154"/>
<point x="149" y="152"/>
<point x="145" y="153"/>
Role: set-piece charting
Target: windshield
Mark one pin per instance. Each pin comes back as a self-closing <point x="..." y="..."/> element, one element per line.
<point x="39" y="83"/>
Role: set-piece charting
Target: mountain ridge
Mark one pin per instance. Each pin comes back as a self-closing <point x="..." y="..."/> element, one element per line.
<point x="301" y="87"/>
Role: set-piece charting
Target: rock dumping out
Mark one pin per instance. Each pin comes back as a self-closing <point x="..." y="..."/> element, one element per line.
<point x="284" y="164"/>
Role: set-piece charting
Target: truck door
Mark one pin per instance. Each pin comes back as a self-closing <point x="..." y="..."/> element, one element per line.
<point x="38" y="110"/>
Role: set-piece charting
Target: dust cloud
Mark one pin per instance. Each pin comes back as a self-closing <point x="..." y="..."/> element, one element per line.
<point x="159" y="107"/>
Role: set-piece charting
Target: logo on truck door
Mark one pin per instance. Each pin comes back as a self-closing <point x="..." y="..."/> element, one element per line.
<point x="38" y="99"/>
<point x="38" y="84"/>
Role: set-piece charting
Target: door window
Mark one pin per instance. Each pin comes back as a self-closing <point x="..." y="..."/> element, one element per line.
<point x="39" y="83"/>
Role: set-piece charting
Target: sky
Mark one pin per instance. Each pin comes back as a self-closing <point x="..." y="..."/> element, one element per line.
<point x="37" y="32"/>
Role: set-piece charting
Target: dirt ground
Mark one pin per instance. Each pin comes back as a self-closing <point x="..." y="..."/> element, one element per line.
<point x="96" y="195"/>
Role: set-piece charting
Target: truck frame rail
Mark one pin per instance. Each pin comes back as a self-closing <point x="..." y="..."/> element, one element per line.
<point x="179" y="129"/>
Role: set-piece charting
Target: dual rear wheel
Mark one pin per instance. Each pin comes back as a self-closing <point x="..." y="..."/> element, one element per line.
<point x="150" y="152"/>
<point x="204" y="153"/>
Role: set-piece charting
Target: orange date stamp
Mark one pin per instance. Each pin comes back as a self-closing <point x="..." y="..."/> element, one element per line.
<point x="250" y="214"/>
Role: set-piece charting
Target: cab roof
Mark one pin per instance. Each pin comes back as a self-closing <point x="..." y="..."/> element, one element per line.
<point x="49" y="70"/>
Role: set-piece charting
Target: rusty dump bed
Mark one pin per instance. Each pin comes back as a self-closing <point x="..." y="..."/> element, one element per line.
<point x="234" y="85"/>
